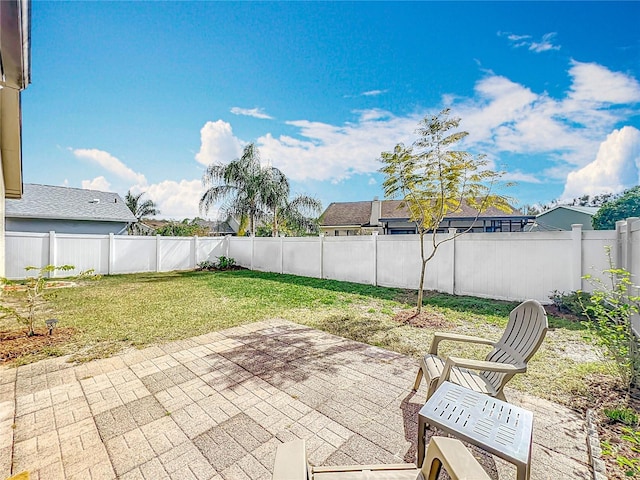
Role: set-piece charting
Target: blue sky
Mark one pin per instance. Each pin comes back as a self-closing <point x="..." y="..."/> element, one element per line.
<point x="144" y="95"/>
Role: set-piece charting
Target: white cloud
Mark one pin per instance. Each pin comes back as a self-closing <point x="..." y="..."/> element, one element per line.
<point x="175" y="200"/>
<point x="331" y="152"/>
<point x="615" y="168"/>
<point x="517" y="176"/>
<point x="251" y="112"/>
<point x="110" y="163"/>
<point x="372" y="181"/>
<point x="543" y="45"/>
<point x="218" y="143"/>
<point x="595" y="84"/>
<point x="373" y="93"/>
<point x="505" y="116"/>
<point x="99" y="183"/>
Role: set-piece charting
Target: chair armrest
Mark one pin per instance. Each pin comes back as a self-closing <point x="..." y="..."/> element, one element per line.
<point x="485" y="365"/>
<point x="290" y="462"/>
<point x="439" y="336"/>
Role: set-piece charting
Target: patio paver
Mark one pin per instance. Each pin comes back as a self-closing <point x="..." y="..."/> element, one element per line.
<point x="216" y="407"/>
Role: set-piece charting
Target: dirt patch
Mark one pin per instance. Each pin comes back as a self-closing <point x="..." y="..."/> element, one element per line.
<point x="424" y="319"/>
<point x="554" y="311"/>
<point x="16" y="343"/>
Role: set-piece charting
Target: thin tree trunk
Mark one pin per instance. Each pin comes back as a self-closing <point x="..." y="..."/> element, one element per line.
<point x="424" y="266"/>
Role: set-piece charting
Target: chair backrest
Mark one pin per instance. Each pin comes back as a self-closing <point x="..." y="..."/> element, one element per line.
<point x="525" y="332"/>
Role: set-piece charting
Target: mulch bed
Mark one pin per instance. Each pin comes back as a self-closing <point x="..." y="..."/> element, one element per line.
<point x="16" y="343"/>
<point x="425" y="319"/>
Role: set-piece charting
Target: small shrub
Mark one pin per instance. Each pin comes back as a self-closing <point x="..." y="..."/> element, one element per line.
<point x="574" y="303"/>
<point x="225" y="263"/>
<point x="206" y="265"/>
<point x="612" y="305"/>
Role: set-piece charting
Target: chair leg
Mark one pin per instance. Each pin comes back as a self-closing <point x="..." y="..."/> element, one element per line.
<point x="416" y="384"/>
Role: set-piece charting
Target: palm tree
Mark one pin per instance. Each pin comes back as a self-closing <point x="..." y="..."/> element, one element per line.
<point x="296" y="213"/>
<point x="252" y="191"/>
<point x="238" y="184"/>
<point x="139" y="209"/>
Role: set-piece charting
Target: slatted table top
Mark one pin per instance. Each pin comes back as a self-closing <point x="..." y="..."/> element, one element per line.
<point x="502" y="429"/>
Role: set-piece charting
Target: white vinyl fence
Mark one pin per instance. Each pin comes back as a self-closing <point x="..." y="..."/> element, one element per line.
<point x="107" y="254"/>
<point x="509" y="266"/>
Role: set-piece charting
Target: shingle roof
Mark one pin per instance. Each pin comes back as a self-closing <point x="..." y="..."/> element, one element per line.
<point x="359" y="213"/>
<point x="46" y="201"/>
<point x="391" y="209"/>
<point x="347" y="213"/>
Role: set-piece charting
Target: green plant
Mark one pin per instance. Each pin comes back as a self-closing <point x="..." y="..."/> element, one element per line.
<point x="35" y="288"/>
<point x="225" y="263"/>
<point x="623" y="415"/>
<point x="574" y="302"/>
<point x="609" y="319"/>
<point x="206" y="265"/>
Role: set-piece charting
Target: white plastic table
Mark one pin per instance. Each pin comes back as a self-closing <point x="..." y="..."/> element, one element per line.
<point x="498" y="427"/>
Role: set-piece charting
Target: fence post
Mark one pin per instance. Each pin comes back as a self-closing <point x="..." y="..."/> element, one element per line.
<point x="619" y="252"/>
<point x="576" y="258"/>
<point x="52" y="251"/>
<point x="281" y="255"/>
<point x="374" y="238"/>
<point x="158" y="259"/>
<point x="452" y="280"/>
<point x="629" y="262"/>
<point x="195" y="251"/>
<point x="321" y="255"/>
<point x="111" y="259"/>
<point x="253" y="238"/>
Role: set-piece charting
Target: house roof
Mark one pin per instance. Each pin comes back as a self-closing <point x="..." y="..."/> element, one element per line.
<point x="347" y="213"/>
<point x="588" y="210"/>
<point x="63" y="203"/>
<point x="359" y="213"/>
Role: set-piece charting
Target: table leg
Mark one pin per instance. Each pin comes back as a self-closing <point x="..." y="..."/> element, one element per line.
<point x="422" y="427"/>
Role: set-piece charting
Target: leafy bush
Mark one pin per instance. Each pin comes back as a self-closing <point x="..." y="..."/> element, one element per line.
<point x="609" y="320"/>
<point x="223" y="263"/>
<point x="574" y="303"/>
<point x="206" y="265"/>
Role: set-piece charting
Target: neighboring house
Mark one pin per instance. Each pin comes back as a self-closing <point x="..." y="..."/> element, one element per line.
<point x="215" y="228"/>
<point x="387" y="217"/>
<point x="44" y="208"/>
<point x="220" y="228"/>
<point x="15" y="75"/>
<point x="562" y="217"/>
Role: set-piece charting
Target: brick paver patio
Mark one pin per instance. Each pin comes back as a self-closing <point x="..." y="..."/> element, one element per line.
<point x="216" y="406"/>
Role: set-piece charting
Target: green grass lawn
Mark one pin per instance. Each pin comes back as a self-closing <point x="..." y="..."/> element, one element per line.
<point x="119" y="311"/>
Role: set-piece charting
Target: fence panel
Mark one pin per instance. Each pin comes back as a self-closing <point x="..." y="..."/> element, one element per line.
<point x="513" y="266"/>
<point x="84" y="252"/>
<point x="25" y="249"/>
<point x="267" y="255"/>
<point x="211" y="248"/>
<point x="302" y="256"/>
<point x="399" y="261"/>
<point x="176" y="253"/>
<point x="134" y="254"/>
<point x="349" y="259"/>
<point x="240" y="250"/>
